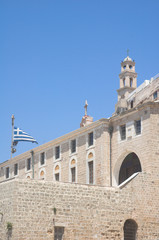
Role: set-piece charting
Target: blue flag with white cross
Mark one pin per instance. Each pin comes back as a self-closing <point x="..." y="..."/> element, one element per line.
<point x="20" y="135"/>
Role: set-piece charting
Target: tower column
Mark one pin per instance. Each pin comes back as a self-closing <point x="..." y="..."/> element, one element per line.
<point x="128" y="83"/>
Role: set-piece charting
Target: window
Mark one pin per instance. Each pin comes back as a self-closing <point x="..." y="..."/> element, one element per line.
<point x="124" y="67"/>
<point x="90" y="139"/>
<point x="57" y="177"/>
<point x="15" y="169"/>
<point x="155" y="95"/>
<point x="131" y="104"/>
<point x="73" y="170"/>
<point x="73" y="174"/>
<point x="42" y="174"/>
<point x="90" y="175"/>
<point x="124" y="82"/>
<point x="130" y="66"/>
<point x="131" y="82"/>
<point x="123" y="132"/>
<point x="138" y="127"/>
<point x="73" y="146"/>
<point x="90" y="169"/>
<point x="42" y="158"/>
<point x="7" y="172"/>
<point x="28" y="167"/>
<point x="57" y="152"/>
<point x="57" y="172"/>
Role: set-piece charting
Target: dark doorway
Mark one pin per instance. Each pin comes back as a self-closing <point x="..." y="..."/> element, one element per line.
<point x="130" y="165"/>
<point x="58" y="233"/>
<point x="130" y="230"/>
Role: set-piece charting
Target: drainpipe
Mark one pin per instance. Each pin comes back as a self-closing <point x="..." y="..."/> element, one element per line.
<point x="110" y="129"/>
<point x="32" y="160"/>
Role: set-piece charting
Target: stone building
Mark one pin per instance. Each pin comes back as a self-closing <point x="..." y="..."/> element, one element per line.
<point x="100" y="181"/>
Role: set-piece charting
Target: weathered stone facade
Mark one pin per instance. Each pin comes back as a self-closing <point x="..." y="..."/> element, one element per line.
<point x="98" y="182"/>
<point x="85" y="212"/>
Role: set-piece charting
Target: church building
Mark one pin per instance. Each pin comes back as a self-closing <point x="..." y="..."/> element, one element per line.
<point x="100" y="181"/>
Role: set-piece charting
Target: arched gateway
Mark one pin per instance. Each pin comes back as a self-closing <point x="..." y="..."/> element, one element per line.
<point x="129" y="166"/>
<point x="130" y="230"/>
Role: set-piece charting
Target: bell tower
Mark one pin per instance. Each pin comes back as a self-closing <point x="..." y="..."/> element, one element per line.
<point x="128" y="83"/>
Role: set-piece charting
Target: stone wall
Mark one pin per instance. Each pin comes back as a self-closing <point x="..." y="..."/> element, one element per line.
<point x="86" y="212"/>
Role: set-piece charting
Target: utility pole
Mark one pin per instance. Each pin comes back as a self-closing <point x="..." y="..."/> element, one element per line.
<point x="13" y="150"/>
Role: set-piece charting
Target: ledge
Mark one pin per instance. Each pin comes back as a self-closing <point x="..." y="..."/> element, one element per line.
<point x="123" y="184"/>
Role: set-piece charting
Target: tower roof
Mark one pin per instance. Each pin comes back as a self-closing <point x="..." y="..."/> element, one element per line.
<point x="127" y="59"/>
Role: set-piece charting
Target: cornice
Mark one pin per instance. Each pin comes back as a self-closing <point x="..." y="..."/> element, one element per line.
<point x="133" y="110"/>
<point x="125" y="88"/>
<point x="127" y="73"/>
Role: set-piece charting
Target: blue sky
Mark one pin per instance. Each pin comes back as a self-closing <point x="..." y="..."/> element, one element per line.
<point x="56" y="54"/>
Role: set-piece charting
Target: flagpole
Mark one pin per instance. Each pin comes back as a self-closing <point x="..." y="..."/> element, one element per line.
<point x="12" y="134"/>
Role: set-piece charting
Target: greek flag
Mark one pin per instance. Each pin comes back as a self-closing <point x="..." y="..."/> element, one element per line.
<point x="20" y="135"/>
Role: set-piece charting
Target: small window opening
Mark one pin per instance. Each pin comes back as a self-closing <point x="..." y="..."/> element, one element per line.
<point x="15" y="169"/>
<point x="91" y="177"/>
<point x="138" y="127"/>
<point x="73" y="174"/>
<point x="123" y="132"/>
<point x="131" y="104"/>
<point x="131" y="82"/>
<point x="73" y="146"/>
<point x="7" y="172"/>
<point x="42" y="158"/>
<point x="57" y="152"/>
<point x="130" y="66"/>
<point x="90" y="139"/>
<point x="28" y="164"/>
<point x="155" y="95"/>
<point x="42" y="175"/>
<point x="124" y="82"/>
<point x="57" y="177"/>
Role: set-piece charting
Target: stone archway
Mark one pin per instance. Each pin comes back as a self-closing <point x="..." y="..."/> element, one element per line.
<point x="130" y="230"/>
<point x="130" y="165"/>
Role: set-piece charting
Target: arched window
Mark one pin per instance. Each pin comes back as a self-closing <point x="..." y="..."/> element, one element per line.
<point x="73" y="170"/>
<point x="90" y="168"/>
<point x="131" y="82"/>
<point x="28" y="176"/>
<point x="130" y="230"/>
<point x="130" y="165"/>
<point x="57" y="172"/>
<point x="42" y="174"/>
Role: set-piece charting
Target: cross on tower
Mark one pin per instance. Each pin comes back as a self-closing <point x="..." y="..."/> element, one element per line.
<point x="85" y="106"/>
<point x="127" y="52"/>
